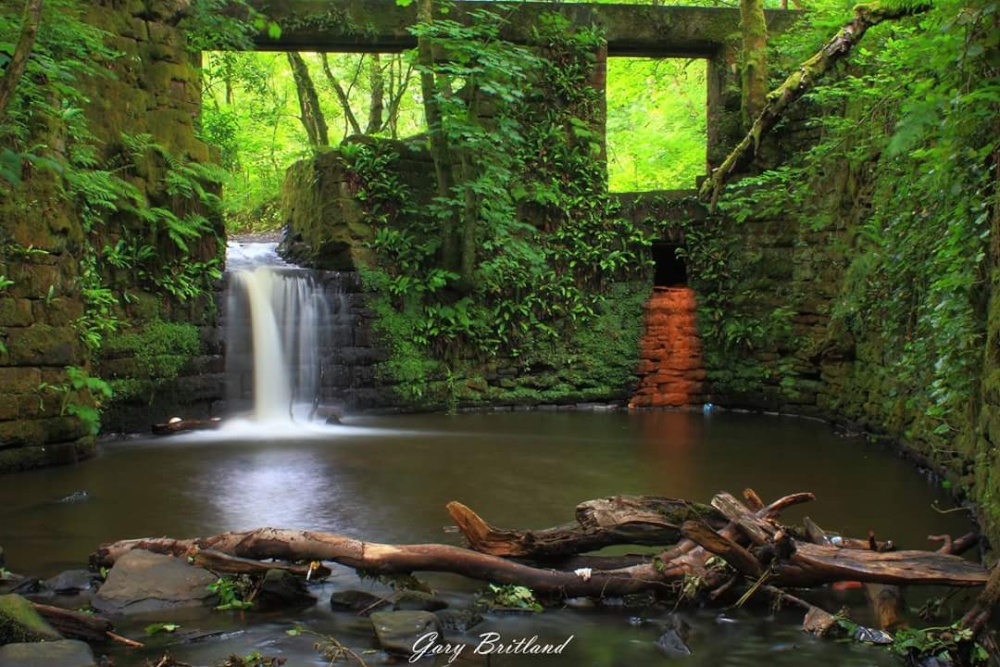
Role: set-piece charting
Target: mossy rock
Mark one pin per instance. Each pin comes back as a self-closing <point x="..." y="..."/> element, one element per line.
<point x="19" y="622"/>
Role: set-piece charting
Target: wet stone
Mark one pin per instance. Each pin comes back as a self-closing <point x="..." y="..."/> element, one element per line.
<point x="19" y="622"/>
<point x="358" y="602"/>
<point x="458" y="620"/>
<point x="146" y="582"/>
<point x="399" y="631"/>
<point x="64" y="653"/>
<point x="72" y="581"/>
<point x="282" y="589"/>
<point x="671" y="643"/>
<point x="409" y="600"/>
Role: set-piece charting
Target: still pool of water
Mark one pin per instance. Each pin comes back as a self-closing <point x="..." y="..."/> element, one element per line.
<point x="388" y="479"/>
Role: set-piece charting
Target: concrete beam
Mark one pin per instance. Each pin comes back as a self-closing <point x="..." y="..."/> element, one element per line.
<point x="373" y="26"/>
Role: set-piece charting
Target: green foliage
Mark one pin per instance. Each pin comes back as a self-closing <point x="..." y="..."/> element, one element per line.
<point x="656" y="123"/>
<point x="80" y="396"/>
<point x="949" y="645"/>
<point x="907" y="144"/>
<point x="548" y="245"/>
<point x="234" y="592"/>
<point x="159" y="350"/>
<point x="157" y="628"/>
<point x="511" y="596"/>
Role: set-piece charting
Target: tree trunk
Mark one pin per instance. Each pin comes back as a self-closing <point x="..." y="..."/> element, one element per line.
<point x="753" y="27"/>
<point x="345" y="102"/>
<point x="312" y="114"/>
<point x="430" y="88"/>
<point x="19" y="61"/>
<point x="399" y="82"/>
<point x="796" y="85"/>
<point x="376" y="82"/>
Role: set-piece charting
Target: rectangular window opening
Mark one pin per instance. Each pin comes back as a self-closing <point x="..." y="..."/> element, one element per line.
<point x="656" y="123"/>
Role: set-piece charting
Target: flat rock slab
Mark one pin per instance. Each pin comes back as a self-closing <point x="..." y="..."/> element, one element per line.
<point x="64" y="653"/>
<point x="400" y="631"/>
<point x="142" y="582"/>
<point x="19" y="622"/>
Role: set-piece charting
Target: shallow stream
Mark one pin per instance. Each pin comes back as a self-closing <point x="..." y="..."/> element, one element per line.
<point x="387" y="479"/>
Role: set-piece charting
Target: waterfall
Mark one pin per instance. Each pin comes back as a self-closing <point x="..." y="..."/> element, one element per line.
<point x="277" y="318"/>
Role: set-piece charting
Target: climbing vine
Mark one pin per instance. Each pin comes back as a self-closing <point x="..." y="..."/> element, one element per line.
<point x="548" y="248"/>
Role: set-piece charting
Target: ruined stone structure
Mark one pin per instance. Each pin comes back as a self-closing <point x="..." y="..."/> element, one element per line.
<point x="822" y="372"/>
<point x="155" y="91"/>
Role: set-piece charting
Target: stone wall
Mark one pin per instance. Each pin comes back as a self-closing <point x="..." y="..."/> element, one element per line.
<point x="154" y="90"/>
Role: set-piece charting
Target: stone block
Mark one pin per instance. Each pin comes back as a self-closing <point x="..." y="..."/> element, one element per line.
<point x="44" y="345"/>
<point x="19" y="380"/>
<point x="15" y="312"/>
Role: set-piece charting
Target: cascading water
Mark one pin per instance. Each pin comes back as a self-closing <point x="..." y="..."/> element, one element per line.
<point x="277" y="318"/>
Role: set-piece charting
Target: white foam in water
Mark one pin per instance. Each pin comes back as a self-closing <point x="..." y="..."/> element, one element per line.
<point x="243" y="256"/>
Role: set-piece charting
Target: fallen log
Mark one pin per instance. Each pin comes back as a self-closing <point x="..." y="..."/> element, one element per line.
<point x="635" y="520"/>
<point x="177" y="425"/>
<point x="299" y="545"/>
<point x="785" y="561"/>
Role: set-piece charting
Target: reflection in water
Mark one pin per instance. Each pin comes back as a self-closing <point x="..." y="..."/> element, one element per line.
<point x="269" y="488"/>
<point x="388" y="479"/>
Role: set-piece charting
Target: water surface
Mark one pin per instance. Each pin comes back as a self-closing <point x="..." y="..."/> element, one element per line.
<point x="388" y="479"/>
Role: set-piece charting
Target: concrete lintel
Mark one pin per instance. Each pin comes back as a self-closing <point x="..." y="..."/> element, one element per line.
<point x="370" y="26"/>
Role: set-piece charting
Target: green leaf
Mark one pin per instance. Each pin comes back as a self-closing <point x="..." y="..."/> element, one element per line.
<point x="157" y="628"/>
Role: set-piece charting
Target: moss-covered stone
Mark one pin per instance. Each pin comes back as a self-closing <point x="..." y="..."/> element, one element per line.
<point x="40" y="456"/>
<point x="44" y="345"/>
<point x="19" y="622"/>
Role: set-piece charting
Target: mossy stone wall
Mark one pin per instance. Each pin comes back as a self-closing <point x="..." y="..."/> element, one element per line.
<point x="155" y="90"/>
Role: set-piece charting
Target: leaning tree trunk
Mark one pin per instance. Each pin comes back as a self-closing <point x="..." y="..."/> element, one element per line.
<point x="798" y="84"/>
<point x="312" y="114"/>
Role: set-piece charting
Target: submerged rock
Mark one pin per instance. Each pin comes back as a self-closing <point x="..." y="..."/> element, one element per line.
<point x="411" y="600"/>
<point x="75" y="497"/>
<point x="458" y="620"/>
<point x="399" y="631"/>
<point x="64" y="653"/>
<point x="142" y="581"/>
<point x="359" y="602"/>
<point x="671" y="643"/>
<point x="19" y="622"/>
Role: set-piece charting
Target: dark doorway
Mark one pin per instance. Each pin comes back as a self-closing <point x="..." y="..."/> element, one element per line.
<point x="670" y="269"/>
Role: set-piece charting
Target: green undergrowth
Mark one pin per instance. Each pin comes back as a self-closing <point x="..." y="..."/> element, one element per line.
<point x="549" y="310"/>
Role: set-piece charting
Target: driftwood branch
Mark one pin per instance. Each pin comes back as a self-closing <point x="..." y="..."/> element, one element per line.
<point x="638" y="520"/>
<point x="798" y="84"/>
<point x="751" y="542"/>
